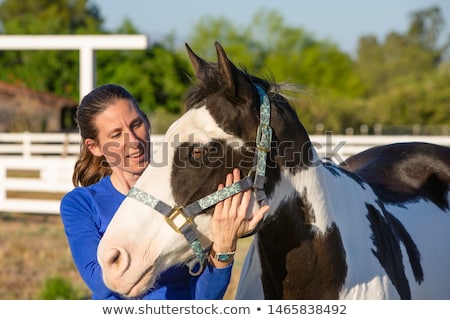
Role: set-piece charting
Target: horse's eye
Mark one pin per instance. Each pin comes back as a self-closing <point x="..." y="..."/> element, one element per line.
<point x="197" y="152"/>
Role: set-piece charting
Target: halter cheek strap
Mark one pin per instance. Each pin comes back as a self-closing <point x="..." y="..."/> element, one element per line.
<point x="263" y="141"/>
<point x="181" y="218"/>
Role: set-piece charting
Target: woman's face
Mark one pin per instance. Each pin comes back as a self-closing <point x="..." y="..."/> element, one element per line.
<point x="123" y="138"/>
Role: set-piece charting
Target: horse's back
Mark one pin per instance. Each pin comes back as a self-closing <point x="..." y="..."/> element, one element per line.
<point x="405" y="171"/>
<point x="413" y="180"/>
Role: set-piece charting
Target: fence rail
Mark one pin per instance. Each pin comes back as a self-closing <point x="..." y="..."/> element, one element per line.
<point x="36" y="169"/>
<point x="29" y="144"/>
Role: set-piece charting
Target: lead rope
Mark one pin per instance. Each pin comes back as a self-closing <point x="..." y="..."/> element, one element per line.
<point x="185" y="226"/>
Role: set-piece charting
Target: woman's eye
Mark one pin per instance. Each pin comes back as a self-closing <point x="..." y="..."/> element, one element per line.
<point x="197" y="152"/>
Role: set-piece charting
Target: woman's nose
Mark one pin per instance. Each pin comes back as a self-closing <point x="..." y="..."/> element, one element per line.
<point x="131" y="137"/>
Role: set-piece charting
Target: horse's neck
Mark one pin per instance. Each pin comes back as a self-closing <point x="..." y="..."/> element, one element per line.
<point x="308" y="208"/>
<point x="314" y="185"/>
<point x="300" y="227"/>
<point x="328" y="192"/>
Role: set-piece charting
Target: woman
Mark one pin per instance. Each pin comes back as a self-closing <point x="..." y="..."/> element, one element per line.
<point x="114" y="153"/>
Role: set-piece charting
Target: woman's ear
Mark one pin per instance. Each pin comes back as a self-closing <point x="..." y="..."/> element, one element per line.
<point x="93" y="147"/>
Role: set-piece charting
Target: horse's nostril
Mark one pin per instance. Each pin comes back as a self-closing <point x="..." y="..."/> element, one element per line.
<point x="115" y="257"/>
<point x="118" y="259"/>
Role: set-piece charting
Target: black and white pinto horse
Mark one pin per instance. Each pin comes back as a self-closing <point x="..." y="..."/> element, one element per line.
<point x="374" y="227"/>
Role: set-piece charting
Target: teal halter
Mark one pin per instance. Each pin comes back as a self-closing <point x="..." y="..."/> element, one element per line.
<point x="263" y="142"/>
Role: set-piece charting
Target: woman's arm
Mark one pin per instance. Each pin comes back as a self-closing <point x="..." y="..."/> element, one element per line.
<point x="83" y="236"/>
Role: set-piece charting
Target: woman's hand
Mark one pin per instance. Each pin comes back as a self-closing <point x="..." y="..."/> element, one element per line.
<point x="230" y="221"/>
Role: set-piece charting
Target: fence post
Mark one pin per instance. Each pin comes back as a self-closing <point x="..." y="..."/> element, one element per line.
<point x="66" y="144"/>
<point x="2" y="185"/>
<point x="26" y="144"/>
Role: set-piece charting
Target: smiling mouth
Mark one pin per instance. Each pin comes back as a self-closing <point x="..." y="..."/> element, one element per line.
<point x="136" y="155"/>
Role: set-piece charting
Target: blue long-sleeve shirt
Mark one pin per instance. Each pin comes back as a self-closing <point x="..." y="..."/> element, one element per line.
<point x="86" y="213"/>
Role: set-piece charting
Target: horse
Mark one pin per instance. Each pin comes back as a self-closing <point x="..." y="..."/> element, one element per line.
<point x="376" y="226"/>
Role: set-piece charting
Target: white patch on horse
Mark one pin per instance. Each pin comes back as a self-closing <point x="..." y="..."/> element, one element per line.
<point x="427" y="230"/>
<point x="342" y="200"/>
<point x="197" y="125"/>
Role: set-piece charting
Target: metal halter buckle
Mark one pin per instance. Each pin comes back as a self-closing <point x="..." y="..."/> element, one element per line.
<point x="177" y="211"/>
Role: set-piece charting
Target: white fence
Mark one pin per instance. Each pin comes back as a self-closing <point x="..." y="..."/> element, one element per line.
<point x="36" y="169"/>
<point x="22" y="180"/>
<point x="28" y="144"/>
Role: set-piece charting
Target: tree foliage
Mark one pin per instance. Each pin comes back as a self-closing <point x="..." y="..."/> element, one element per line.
<point x="156" y="76"/>
<point x="400" y="80"/>
<point x="53" y="71"/>
<point x="407" y="76"/>
<point x="268" y="46"/>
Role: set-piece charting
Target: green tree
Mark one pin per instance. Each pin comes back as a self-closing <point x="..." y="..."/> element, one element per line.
<point x="52" y="71"/>
<point x="156" y="76"/>
<point x="268" y="46"/>
<point x="406" y="76"/>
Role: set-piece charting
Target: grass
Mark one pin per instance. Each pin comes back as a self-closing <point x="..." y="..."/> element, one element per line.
<point x="36" y="262"/>
<point x="33" y="250"/>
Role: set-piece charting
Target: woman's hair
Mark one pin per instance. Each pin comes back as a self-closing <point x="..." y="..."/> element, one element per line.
<point x="88" y="168"/>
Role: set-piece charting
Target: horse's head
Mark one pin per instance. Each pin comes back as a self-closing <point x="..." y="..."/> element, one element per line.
<point x="226" y="125"/>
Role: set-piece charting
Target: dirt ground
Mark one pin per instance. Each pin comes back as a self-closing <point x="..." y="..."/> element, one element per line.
<point x="33" y="249"/>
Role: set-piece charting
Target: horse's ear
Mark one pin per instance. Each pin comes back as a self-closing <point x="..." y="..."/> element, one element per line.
<point x="225" y="68"/>
<point x="198" y="64"/>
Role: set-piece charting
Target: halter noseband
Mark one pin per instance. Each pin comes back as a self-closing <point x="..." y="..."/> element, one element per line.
<point x="180" y="218"/>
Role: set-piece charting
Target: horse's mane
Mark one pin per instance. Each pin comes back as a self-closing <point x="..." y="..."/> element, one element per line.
<point x="213" y="82"/>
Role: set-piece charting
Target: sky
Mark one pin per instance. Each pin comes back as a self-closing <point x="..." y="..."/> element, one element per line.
<point x="342" y="22"/>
